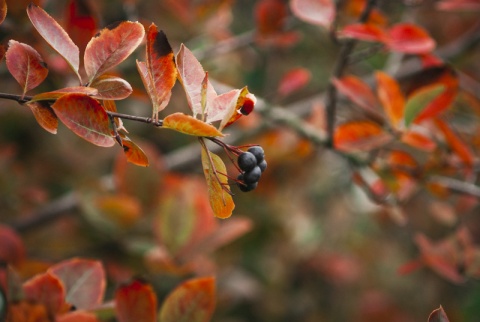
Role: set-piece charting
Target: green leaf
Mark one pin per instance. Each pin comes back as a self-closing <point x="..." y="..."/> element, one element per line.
<point x="417" y="102"/>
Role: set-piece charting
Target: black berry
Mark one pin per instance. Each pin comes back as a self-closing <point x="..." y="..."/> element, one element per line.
<point x="244" y="186"/>
<point x="247" y="161"/>
<point x="253" y="175"/>
<point x="258" y="152"/>
<point x="262" y="165"/>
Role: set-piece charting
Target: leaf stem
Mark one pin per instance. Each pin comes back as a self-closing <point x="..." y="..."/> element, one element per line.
<point x="340" y="65"/>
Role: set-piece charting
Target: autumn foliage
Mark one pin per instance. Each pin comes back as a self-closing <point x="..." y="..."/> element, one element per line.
<point x="389" y="129"/>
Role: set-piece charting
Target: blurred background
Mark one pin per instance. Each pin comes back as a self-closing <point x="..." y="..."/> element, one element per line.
<point x="306" y="245"/>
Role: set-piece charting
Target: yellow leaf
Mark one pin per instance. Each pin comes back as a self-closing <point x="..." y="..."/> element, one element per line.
<point x="189" y="125"/>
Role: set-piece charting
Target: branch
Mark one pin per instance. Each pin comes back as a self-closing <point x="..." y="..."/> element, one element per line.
<point x="338" y="69"/>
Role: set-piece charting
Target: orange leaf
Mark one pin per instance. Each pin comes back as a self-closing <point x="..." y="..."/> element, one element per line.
<point x="316" y="12"/>
<point x="45" y="116"/>
<point x="134" y="153"/>
<point x="438" y="315"/>
<point x="356" y="7"/>
<point x="215" y="173"/>
<point x="293" y="80"/>
<point x="391" y="97"/>
<point x="26" y="65"/>
<point x="400" y="160"/>
<point x="360" y="136"/>
<point x="192" y="301"/>
<point x="409" y="38"/>
<point x="55" y="36"/>
<point x="111" y="88"/>
<point x="84" y="281"/>
<point x="364" y="31"/>
<point x="77" y="316"/>
<point x="27" y="312"/>
<point x="161" y="69"/>
<point x="419" y="141"/>
<point x="136" y="302"/>
<point x="3" y="10"/>
<point x="455" y="143"/>
<point x="85" y="117"/>
<point x="189" y="125"/>
<point x="54" y="95"/>
<point x="111" y="46"/>
<point x="121" y="209"/>
<point x="358" y="92"/>
<point x="47" y="290"/>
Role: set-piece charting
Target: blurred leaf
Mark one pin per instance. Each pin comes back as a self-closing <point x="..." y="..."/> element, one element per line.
<point x="360" y="136"/>
<point x="55" y="36"/>
<point x="191" y="75"/>
<point x="419" y="141"/>
<point x="316" y="12"/>
<point x="25" y="65"/>
<point x="27" y="312"/>
<point x="466" y="5"/>
<point x="54" y="95"/>
<point x="356" y="7"/>
<point x="461" y="149"/>
<point x="134" y="153"/>
<point x="77" y="316"/>
<point x="294" y="80"/>
<point x="12" y="249"/>
<point x="136" y="302"/>
<point x="85" y="117"/>
<point x="420" y="100"/>
<point x="84" y="281"/>
<point x="3" y="10"/>
<point x="401" y="160"/>
<point x="270" y="17"/>
<point x="111" y="46"/>
<point x="215" y="173"/>
<point x="363" y="31"/>
<point x="192" y="301"/>
<point x="111" y="88"/>
<point x="410" y="39"/>
<point x="2" y="52"/>
<point x="80" y="22"/>
<point x="358" y="92"/>
<point x="161" y="69"/>
<point x="188" y="125"/>
<point x="48" y="290"/>
<point x="121" y="209"/>
<point x="438" y="315"/>
<point x="391" y="97"/>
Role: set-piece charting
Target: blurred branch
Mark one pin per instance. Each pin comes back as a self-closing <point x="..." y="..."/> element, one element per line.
<point x="458" y="186"/>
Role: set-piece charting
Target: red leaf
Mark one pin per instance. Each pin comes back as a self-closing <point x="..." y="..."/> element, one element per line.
<point x="48" y="290"/>
<point x="410" y="267"/>
<point x="111" y="88"/>
<point x="391" y="97"/>
<point x="80" y="22"/>
<point x="55" y="36"/>
<point x="438" y="315"/>
<point x="230" y="106"/>
<point x="161" y="69"/>
<point x="188" y="125"/>
<point x="270" y="17"/>
<point x="3" y="10"/>
<point x="111" y="46"/>
<point x="191" y="74"/>
<point x="293" y="80"/>
<point x="317" y="12"/>
<point x="54" y="95"/>
<point x="136" y="302"/>
<point x="466" y="5"/>
<point x="26" y="65"/>
<point x="134" y="153"/>
<point x="455" y="143"/>
<point x="77" y="316"/>
<point x="363" y="31"/>
<point x="358" y="92"/>
<point x="85" y="117"/>
<point x="45" y="116"/>
<point x="12" y="249"/>
<point x="360" y="136"/>
<point x="419" y="141"/>
<point x="192" y="301"/>
<point x="219" y="195"/>
<point x="410" y="39"/>
<point x="84" y="282"/>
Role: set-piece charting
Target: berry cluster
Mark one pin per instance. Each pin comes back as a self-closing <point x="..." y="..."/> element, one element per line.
<point x="252" y="163"/>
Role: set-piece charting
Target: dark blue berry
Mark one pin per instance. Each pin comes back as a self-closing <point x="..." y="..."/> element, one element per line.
<point x="244" y="186"/>
<point x="258" y="152"/>
<point x="262" y="165"/>
<point x="253" y="175"/>
<point x="247" y="161"/>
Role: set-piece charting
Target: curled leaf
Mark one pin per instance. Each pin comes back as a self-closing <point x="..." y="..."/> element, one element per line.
<point x="218" y="189"/>
<point x="26" y="65"/>
<point x="55" y="36"/>
<point x="85" y="117"/>
<point x="134" y="153"/>
<point x="111" y="46"/>
<point x="189" y="125"/>
<point x="45" y="116"/>
<point x="111" y="88"/>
